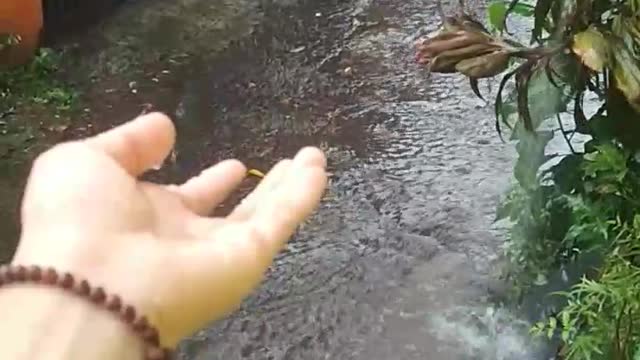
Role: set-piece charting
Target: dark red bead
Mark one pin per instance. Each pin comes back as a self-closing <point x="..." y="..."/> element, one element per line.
<point x="34" y="273"/>
<point x="128" y="314"/>
<point x="49" y="276"/>
<point x="140" y="324"/>
<point x="20" y="273"/>
<point x="82" y="288"/>
<point x="97" y="295"/>
<point x="150" y="335"/>
<point x="114" y="303"/>
<point x="66" y="281"/>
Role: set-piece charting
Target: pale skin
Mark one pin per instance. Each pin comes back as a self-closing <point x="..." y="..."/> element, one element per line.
<point x="85" y="211"/>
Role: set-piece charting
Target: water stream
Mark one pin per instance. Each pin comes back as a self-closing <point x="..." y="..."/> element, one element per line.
<point x="400" y="261"/>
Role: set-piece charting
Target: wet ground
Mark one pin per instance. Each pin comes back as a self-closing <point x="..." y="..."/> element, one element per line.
<point x="401" y="260"/>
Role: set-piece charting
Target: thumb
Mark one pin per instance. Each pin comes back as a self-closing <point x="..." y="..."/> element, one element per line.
<point x="137" y="145"/>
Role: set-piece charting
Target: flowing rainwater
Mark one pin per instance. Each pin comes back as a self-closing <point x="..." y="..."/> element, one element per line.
<point x="401" y="260"/>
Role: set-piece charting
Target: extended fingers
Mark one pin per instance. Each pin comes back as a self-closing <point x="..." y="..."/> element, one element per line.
<point x="205" y="191"/>
<point x="234" y="254"/>
<point x="138" y="145"/>
<point x="244" y="249"/>
<point x="311" y="157"/>
<point x="284" y="209"/>
<point x="244" y="210"/>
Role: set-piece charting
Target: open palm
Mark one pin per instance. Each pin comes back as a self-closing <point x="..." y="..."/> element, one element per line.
<point x="153" y="244"/>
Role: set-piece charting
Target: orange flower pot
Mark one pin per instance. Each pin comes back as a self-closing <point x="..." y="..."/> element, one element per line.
<point x="23" y="18"/>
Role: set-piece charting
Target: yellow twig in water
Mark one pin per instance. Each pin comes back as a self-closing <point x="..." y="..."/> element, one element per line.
<point x="260" y="174"/>
<point x="256" y="173"/>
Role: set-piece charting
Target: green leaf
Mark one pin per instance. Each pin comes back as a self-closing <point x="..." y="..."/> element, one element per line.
<point x="567" y="174"/>
<point x="523" y="9"/>
<point x="538" y="328"/>
<point x="592" y="48"/>
<point x="553" y="323"/>
<point x="602" y="127"/>
<point x="497" y="11"/>
<point x="504" y="110"/>
<point x="566" y="319"/>
<point x="545" y="98"/>
<point x="608" y="159"/>
<point x="636" y="355"/>
<point x="531" y="149"/>
<point x="626" y="71"/>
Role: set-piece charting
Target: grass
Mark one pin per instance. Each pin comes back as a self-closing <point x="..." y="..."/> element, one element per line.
<point x="36" y="83"/>
<point x="30" y="95"/>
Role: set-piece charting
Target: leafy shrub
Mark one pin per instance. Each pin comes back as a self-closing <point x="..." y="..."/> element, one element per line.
<point x="586" y="200"/>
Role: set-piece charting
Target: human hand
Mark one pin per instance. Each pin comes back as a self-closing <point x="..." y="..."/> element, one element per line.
<point x="85" y="212"/>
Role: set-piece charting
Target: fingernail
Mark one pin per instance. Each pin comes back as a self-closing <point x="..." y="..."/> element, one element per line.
<point x="157" y="167"/>
<point x="310" y="156"/>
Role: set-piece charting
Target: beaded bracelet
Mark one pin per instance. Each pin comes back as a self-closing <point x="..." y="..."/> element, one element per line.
<point x="12" y="274"/>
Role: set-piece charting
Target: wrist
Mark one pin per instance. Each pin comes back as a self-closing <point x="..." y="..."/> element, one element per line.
<point x="41" y="322"/>
<point x="111" y="272"/>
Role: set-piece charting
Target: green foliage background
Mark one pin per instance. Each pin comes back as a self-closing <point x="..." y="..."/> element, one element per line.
<point x="585" y="201"/>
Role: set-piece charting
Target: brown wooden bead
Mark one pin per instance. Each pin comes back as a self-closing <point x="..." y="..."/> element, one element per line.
<point x="82" y="288"/>
<point x="140" y="324"/>
<point x="128" y="314"/>
<point x="114" y="303"/>
<point x="49" y="276"/>
<point x="111" y="302"/>
<point x="97" y="295"/>
<point x="20" y="273"/>
<point x="150" y="335"/>
<point x="66" y="281"/>
<point x="34" y="273"/>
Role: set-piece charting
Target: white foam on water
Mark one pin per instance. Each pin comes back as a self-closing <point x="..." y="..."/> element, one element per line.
<point x="486" y="333"/>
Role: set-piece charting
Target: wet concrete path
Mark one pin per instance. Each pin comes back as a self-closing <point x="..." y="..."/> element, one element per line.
<point x="400" y="260"/>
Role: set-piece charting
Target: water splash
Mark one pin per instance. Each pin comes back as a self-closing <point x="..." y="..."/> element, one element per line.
<point x="486" y="333"/>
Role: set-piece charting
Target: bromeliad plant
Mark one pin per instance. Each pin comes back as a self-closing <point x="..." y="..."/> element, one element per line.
<point x="581" y="203"/>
